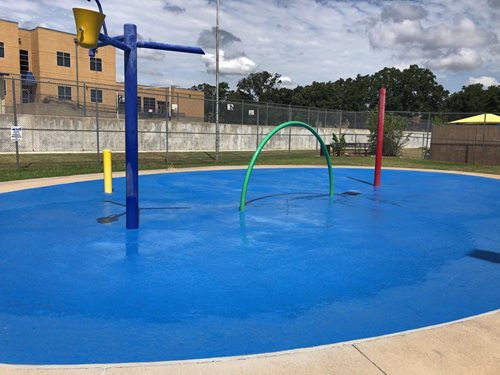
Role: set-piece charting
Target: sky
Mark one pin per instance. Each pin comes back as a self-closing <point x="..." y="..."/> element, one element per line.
<point x="302" y="40"/>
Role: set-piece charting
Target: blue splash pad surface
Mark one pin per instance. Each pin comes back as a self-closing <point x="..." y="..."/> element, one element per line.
<point x="200" y="280"/>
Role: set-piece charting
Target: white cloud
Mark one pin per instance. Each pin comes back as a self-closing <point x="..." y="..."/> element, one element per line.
<point x="401" y="66"/>
<point x="162" y="82"/>
<point x="463" y="59"/>
<point x="443" y="39"/>
<point x="151" y="54"/>
<point x="465" y="34"/>
<point x="494" y="3"/>
<point x="396" y="34"/>
<point x="412" y="33"/>
<point x="403" y="11"/>
<point x="207" y="38"/>
<point x="316" y="40"/>
<point x="495" y="50"/>
<point x="241" y="65"/>
<point x="287" y="82"/>
<point x="484" y="80"/>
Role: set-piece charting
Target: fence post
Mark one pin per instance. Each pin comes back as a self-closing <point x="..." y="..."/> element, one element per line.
<point x="75" y="40"/>
<point x="257" y="133"/>
<point x="315" y="125"/>
<point x="211" y="117"/>
<point x="178" y="107"/>
<point x="423" y="140"/>
<point x="289" y="128"/>
<point x="475" y="145"/>
<point x="14" y="108"/>
<point x="84" y="99"/>
<point x="117" y="109"/>
<point x="96" y="98"/>
<point x="242" y="110"/>
<point x="267" y="113"/>
<point x="427" y="134"/>
<point x="167" y="111"/>
<point x="483" y="146"/>
<point x="340" y="126"/>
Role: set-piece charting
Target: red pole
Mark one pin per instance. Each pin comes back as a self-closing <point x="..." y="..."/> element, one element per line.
<point x="380" y="136"/>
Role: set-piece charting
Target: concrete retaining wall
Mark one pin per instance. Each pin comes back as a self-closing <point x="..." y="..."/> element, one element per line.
<point x="79" y="134"/>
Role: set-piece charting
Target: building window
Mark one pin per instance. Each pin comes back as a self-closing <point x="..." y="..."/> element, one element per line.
<point x="96" y="64"/>
<point x="63" y="59"/>
<point x="3" y="87"/>
<point x="2" y="49"/>
<point x="149" y="104"/>
<point x="138" y="104"/>
<point x="28" y="94"/>
<point x="121" y="102"/>
<point x="95" y="95"/>
<point x="64" y="92"/>
<point x="24" y="64"/>
<point x="162" y="107"/>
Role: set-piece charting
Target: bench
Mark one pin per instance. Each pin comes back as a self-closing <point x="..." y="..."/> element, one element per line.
<point x="358" y="148"/>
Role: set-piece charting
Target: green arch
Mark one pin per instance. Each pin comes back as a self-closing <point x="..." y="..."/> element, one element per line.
<point x="263" y="143"/>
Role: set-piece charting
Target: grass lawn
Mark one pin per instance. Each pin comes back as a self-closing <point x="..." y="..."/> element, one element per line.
<point x="49" y="165"/>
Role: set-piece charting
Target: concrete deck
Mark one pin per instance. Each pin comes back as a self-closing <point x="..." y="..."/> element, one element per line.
<point x="468" y="346"/>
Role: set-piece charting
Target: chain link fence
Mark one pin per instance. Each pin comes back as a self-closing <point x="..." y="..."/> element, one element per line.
<point x="54" y="116"/>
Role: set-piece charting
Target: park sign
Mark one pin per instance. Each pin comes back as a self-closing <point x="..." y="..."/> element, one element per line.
<point x="16" y="134"/>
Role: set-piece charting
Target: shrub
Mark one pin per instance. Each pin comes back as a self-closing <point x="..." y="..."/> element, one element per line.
<point x="394" y="138"/>
<point x="338" y="144"/>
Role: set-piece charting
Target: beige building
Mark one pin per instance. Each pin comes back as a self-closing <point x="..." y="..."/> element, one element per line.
<point x="49" y="69"/>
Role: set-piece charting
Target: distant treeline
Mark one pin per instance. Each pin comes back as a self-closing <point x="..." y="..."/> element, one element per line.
<point x="411" y="89"/>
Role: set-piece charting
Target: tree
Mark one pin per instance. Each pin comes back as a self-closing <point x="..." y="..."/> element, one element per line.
<point x="281" y="95"/>
<point x="474" y="98"/>
<point x="209" y="90"/>
<point x="493" y="99"/>
<point x="257" y="86"/>
<point x="412" y="89"/>
<point x="420" y="91"/>
<point x="394" y="137"/>
<point x="318" y="94"/>
<point x="358" y="94"/>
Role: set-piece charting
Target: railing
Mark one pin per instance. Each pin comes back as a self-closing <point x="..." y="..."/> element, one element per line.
<point x="182" y="121"/>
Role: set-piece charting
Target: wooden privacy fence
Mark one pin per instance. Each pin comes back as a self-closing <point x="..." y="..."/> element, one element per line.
<point x="471" y="144"/>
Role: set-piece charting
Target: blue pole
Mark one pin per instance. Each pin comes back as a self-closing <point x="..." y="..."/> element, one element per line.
<point x="129" y="44"/>
<point x="117" y="42"/>
<point x="131" y="136"/>
<point x="170" y="47"/>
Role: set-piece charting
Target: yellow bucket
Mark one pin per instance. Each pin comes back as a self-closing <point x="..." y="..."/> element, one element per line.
<point x="88" y="26"/>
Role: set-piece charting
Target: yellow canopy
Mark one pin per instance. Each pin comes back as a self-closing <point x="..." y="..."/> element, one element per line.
<point x="479" y="119"/>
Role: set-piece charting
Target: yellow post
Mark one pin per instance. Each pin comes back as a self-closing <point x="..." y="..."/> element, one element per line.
<point x="108" y="172"/>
